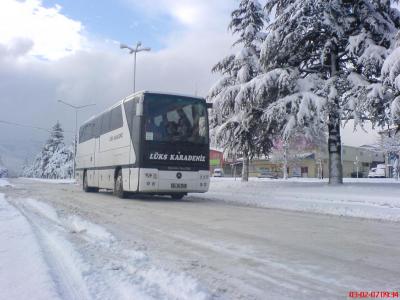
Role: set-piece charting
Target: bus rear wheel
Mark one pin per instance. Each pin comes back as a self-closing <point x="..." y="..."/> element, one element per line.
<point x="177" y="196"/>
<point x="119" y="187"/>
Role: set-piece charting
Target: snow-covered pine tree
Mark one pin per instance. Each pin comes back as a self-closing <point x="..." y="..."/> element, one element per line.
<point x="387" y="90"/>
<point x="237" y="111"/>
<point x="389" y="144"/>
<point x="60" y="164"/>
<point x="53" y="144"/>
<point x="55" y="160"/>
<point x="56" y="137"/>
<point x="332" y="52"/>
<point x="34" y="169"/>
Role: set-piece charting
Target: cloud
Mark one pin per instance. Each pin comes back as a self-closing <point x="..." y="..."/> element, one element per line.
<point x="16" y="48"/>
<point x="95" y="71"/>
<point x="52" y="34"/>
<point x="188" y="13"/>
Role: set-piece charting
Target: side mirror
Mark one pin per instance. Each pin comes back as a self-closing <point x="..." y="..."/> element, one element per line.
<point x="209" y="105"/>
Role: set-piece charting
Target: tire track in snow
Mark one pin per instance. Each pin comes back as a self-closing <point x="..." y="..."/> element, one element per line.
<point x="87" y="262"/>
<point x="59" y="254"/>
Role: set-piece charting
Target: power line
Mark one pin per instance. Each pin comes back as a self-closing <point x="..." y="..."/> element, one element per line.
<point x="28" y="126"/>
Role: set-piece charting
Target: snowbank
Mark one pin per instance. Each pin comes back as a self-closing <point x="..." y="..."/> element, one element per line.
<point x="4" y="182"/>
<point x="23" y="271"/>
<point x="365" y="198"/>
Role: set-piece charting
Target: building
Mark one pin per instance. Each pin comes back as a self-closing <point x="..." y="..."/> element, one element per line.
<point x="216" y="159"/>
<point x="362" y="157"/>
<point x="311" y="164"/>
<point x="389" y="144"/>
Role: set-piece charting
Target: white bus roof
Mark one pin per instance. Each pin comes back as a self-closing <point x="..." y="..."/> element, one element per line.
<point x="162" y="93"/>
<point x="131" y="96"/>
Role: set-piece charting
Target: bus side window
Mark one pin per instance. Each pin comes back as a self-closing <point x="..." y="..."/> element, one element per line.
<point x="89" y="133"/>
<point x="86" y="132"/>
<point x="105" y="123"/>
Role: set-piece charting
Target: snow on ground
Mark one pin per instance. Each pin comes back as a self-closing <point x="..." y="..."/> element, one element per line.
<point x="365" y="198"/>
<point x="4" y="182"/>
<point x="49" y="255"/>
<point x="55" y="181"/>
<point x="24" y="273"/>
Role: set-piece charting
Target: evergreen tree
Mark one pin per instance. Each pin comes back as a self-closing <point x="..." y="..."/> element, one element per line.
<point x="55" y="160"/>
<point x="237" y="111"/>
<point x="322" y="61"/>
<point x="56" y="138"/>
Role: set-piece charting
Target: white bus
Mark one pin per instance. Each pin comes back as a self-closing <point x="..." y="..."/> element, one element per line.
<point x="149" y="143"/>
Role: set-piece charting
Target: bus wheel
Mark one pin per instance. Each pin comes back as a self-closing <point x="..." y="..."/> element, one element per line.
<point x="118" y="186"/>
<point x="177" y="196"/>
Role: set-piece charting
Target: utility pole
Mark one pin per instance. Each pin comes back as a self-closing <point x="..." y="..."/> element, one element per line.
<point x="76" y="108"/>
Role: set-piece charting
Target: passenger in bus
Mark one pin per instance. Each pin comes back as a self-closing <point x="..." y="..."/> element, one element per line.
<point x="163" y="129"/>
<point x="172" y="131"/>
<point x="184" y="126"/>
<point x="199" y="130"/>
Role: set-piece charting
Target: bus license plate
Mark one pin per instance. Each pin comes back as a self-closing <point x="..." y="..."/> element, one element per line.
<point x="178" y="185"/>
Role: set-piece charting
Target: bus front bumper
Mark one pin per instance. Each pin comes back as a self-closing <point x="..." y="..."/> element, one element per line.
<point x="155" y="181"/>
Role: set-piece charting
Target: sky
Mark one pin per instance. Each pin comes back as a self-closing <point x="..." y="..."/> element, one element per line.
<point x="69" y="50"/>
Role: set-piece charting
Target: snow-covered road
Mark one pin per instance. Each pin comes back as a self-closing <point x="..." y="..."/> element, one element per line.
<point x="95" y="246"/>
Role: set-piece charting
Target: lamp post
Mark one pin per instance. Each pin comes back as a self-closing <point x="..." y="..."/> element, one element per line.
<point x="134" y="50"/>
<point x="76" y="108"/>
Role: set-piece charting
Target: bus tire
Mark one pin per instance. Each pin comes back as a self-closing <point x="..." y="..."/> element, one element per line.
<point x="177" y="196"/>
<point x="119" y="187"/>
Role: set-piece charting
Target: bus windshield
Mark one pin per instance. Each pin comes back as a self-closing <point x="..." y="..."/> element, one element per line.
<point x="171" y="118"/>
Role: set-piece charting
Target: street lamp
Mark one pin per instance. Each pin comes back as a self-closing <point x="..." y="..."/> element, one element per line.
<point x="76" y="107"/>
<point x="134" y="50"/>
